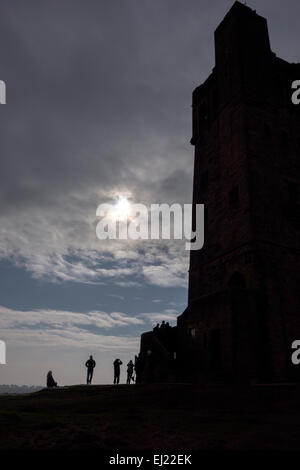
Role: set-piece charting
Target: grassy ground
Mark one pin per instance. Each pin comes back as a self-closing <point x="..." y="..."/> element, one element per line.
<point x="177" y="417"/>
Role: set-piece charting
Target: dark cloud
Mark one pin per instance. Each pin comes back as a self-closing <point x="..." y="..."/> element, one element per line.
<point x="98" y="100"/>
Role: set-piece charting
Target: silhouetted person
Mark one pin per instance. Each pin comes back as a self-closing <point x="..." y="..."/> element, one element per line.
<point x="90" y="364"/>
<point x="50" y="380"/>
<point x="156" y="329"/>
<point x="117" y="364"/>
<point x="130" y="367"/>
<point x="163" y="326"/>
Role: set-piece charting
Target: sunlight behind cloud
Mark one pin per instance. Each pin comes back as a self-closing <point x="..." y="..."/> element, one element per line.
<point x="122" y="208"/>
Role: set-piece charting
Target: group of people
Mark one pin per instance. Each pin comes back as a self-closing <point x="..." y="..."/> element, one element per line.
<point x="143" y="363"/>
<point x="117" y="371"/>
<point x="91" y="364"/>
<point x="163" y="328"/>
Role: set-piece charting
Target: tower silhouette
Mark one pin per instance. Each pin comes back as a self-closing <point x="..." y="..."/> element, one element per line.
<point x="243" y="305"/>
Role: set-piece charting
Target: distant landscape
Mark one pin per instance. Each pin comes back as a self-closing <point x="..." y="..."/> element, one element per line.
<point x="19" y="389"/>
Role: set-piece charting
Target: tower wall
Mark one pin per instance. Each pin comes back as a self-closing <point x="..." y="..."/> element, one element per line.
<point x="243" y="287"/>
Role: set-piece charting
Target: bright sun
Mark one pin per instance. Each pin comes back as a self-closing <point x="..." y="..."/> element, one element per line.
<point x="122" y="208"/>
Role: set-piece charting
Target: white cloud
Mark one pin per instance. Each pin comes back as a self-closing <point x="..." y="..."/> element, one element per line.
<point x="60" y="244"/>
<point x="63" y="318"/>
<point x="116" y="296"/>
<point x="172" y="274"/>
<point x="168" y="315"/>
<point x="64" y="328"/>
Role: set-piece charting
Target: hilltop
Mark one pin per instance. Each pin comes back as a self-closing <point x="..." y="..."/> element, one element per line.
<point x="157" y="416"/>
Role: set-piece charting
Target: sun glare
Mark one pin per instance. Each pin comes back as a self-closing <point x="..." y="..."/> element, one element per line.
<point x="122" y="208"/>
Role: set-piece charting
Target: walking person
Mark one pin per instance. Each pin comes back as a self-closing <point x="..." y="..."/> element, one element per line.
<point x="130" y="367"/>
<point x="90" y="364"/>
<point x="117" y="364"/>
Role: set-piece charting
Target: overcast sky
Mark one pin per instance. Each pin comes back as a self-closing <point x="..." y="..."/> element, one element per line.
<point x="98" y="105"/>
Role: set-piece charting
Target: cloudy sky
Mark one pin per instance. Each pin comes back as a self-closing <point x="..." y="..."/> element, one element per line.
<point x="98" y="106"/>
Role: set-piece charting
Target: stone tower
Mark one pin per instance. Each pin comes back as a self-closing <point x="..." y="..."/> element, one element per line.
<point x="243" y="311"/>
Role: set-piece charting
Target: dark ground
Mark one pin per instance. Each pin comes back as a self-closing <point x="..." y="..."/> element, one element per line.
<point x="159" y="417"/>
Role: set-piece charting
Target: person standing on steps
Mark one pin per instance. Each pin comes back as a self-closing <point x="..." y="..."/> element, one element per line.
<point x="117" y="364"/>
<point x="90" y="364"/>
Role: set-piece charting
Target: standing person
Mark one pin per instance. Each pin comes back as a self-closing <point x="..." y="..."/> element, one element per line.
<point x="117" y="364"/>
<point x="129" y="371"/>
<point x="90" y="364"/>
